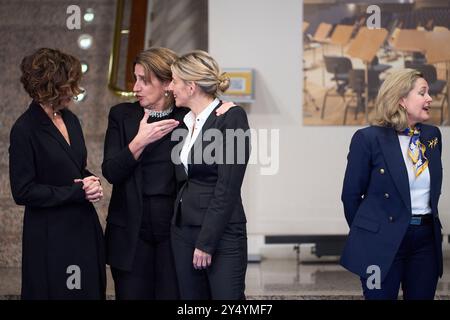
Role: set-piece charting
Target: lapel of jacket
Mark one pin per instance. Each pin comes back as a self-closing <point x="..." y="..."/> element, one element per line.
<point x="179" y="167"/>
<point x="131" y="122"/>
<point x="182" y="131"/>
<point x="46" y="124"/>
<point x="392" y="152"/>
<point x="180" y="172"/>
<point x="425" y="137"/>
<point x="77" y="145"/>
<point x="197" y="149"/>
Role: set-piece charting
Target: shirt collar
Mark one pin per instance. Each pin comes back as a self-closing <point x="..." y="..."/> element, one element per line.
<point x="201" y="118"/>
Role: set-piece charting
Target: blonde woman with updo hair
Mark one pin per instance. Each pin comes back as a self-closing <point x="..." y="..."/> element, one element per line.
<point x="391" y="193"/>
<point x="137" y="162"/>
<point x="209" y="237"/>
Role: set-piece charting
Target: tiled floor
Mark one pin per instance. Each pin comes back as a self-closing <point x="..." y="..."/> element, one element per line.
<point x="270" y="279"/>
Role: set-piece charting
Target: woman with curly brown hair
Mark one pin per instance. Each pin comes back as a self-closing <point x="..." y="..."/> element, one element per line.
<point x="63" y="250"/>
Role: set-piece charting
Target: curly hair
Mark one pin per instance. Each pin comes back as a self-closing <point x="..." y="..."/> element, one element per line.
<point x="50" y="76"/>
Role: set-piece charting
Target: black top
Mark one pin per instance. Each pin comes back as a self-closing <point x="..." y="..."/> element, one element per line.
<point x="158" y="186"/>
<point x="158" y="174"/>
<point x="60" y="228"/>
<point x="128" y="200"/>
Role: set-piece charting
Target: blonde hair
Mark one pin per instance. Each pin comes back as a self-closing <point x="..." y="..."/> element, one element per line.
<point x="198" y="66"/>
<point x="388" y="111"/>
<point x="158" y="60"/>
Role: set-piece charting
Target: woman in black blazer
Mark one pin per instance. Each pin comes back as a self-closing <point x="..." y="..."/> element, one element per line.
<point x="391" y="193"/>
<point x="209" y="227"/>
<point x="137" y="162"/>
<point x="63" y="250"/>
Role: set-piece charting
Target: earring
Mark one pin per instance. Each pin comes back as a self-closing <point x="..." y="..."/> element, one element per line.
<point x="166" y="93"/>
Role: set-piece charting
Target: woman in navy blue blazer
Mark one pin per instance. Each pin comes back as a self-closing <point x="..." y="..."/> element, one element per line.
<point x="391" y="191"/>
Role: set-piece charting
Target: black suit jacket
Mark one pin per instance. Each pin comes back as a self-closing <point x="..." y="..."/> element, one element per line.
<point x="125" y="174"/>
<point x="210" y="194"/>
<point x="60" y="227"/>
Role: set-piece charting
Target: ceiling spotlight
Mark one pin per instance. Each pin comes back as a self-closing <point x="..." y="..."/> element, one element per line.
<point x="81" y="96"/>
<point x="89" y="15"/>
<point x="85" y="41"/>
<point x="84" y="67"/>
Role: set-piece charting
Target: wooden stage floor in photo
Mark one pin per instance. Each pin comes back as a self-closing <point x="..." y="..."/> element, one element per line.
<point x="318" y="80"/>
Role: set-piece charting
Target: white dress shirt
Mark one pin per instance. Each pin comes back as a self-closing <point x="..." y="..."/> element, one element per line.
<point x="194" y="126"/>
<point x="419" y="186"/>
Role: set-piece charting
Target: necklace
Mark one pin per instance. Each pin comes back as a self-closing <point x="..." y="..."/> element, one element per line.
<point x="160" y="114"/>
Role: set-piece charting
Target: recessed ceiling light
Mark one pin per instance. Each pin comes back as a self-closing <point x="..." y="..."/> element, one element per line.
<point x="85" y="41"/>
<point x="81" y="96"/>
<point x="89" y="15"/>
<point x="84" y="67"/>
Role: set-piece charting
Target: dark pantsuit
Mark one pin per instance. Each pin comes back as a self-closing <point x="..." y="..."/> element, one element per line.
<point x="225" y="278"/>
<point x="152" y="276"/>
<point x="141" y="207"/>
<point x="415" y="267"/>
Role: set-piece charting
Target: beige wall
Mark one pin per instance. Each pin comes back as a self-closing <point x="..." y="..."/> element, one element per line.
<point x="304" y="197"/>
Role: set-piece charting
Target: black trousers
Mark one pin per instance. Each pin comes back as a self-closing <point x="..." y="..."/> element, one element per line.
<point x="153" y="276"/>
<point x="225" y="278"/>
<point x="415" y="268"/>
<point x="153" y="273"/>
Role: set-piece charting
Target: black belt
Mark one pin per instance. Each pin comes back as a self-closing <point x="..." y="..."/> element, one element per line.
<point x="421" y="219"/>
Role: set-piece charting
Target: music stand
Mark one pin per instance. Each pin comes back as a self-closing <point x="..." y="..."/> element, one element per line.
<point x="307" y="96"/>
<point x="341" y="36"/>
<point x="305" y="25"/>
<point x="321" y="36"/>
<point x="409" y="40"/>
<point x="365" y="46"/>
<point x="438" y="50"/>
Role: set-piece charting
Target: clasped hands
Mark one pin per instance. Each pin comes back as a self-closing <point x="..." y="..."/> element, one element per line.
<point x="92" y="188"/>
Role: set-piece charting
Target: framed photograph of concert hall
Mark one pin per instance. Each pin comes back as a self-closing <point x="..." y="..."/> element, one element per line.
<point x="349" y="48"/>
<point x="241" y="88"/>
